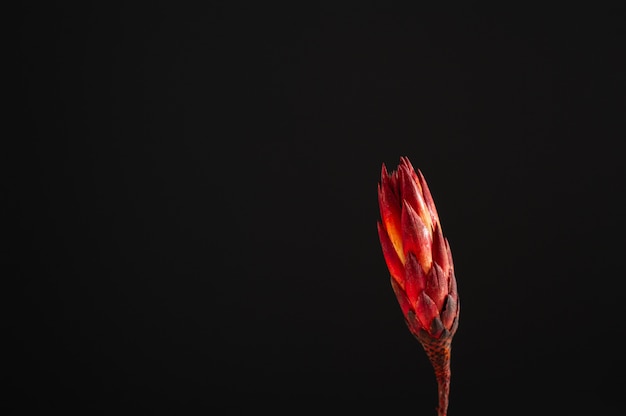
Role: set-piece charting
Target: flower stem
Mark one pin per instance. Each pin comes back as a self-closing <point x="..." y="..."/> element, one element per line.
<point x="439" y="355"/>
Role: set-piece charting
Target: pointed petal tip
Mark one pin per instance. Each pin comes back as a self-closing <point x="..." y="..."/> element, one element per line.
<point x="416" y="237"/>
<point x="408" y="164"/>
<point x="436" y="327"/>
<point x="449" y="312"/>
<point x="437" y="287"/>
<point x="428" y="198"/>
<point x="440" y="252"/>
<point x="426" y="310"/>
<point x="414" y="278"/>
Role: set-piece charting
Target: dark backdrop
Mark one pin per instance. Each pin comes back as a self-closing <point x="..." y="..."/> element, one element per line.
<point x="195" y="206"/>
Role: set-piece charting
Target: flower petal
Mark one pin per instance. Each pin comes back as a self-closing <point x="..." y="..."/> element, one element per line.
<point x="450" y="263"/>
<point x="428" y="198"/>
<point x="452" y="288"/>
<point x="416" y="237"/>
<point x="414" y="278"/>
<point x="449" y="312"/>
<point x="390" y="210"/>
<point x="440" y="252"/>
<point x="426" y="310"/>
<point x="404" y="161"/>
<point x="394" y="264"/>
<point x="436" y="327"/>
<point x="412" y="194"/>
<point x="437" y="285"/>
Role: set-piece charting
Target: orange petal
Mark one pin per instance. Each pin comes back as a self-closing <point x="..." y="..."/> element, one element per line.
<point x="390" y="211"/>
<point x="394" y="264"/>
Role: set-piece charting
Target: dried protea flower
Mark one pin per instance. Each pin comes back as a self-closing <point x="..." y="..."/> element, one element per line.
<point x="420" y="263"/>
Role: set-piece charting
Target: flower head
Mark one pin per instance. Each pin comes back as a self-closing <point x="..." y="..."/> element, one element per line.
<point x="417" y="254"/>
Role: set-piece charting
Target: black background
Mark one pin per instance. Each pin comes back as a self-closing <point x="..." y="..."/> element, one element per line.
<point x="195" y="205"/>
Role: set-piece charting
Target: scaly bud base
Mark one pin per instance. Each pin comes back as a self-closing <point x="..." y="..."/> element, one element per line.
<point x="438" y="352"/>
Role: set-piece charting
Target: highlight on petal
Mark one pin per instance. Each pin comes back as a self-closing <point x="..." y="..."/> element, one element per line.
<point x="450" y="263"/>
<point x="428" y="198"/>
<point x="394" y="263"/>
<point x="416" y="236"/>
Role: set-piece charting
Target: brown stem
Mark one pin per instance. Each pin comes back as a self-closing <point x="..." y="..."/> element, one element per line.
<point x="438" y="353"/>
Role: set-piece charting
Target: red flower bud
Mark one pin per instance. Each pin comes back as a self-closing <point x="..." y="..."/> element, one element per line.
<point x="416" y="252"/>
